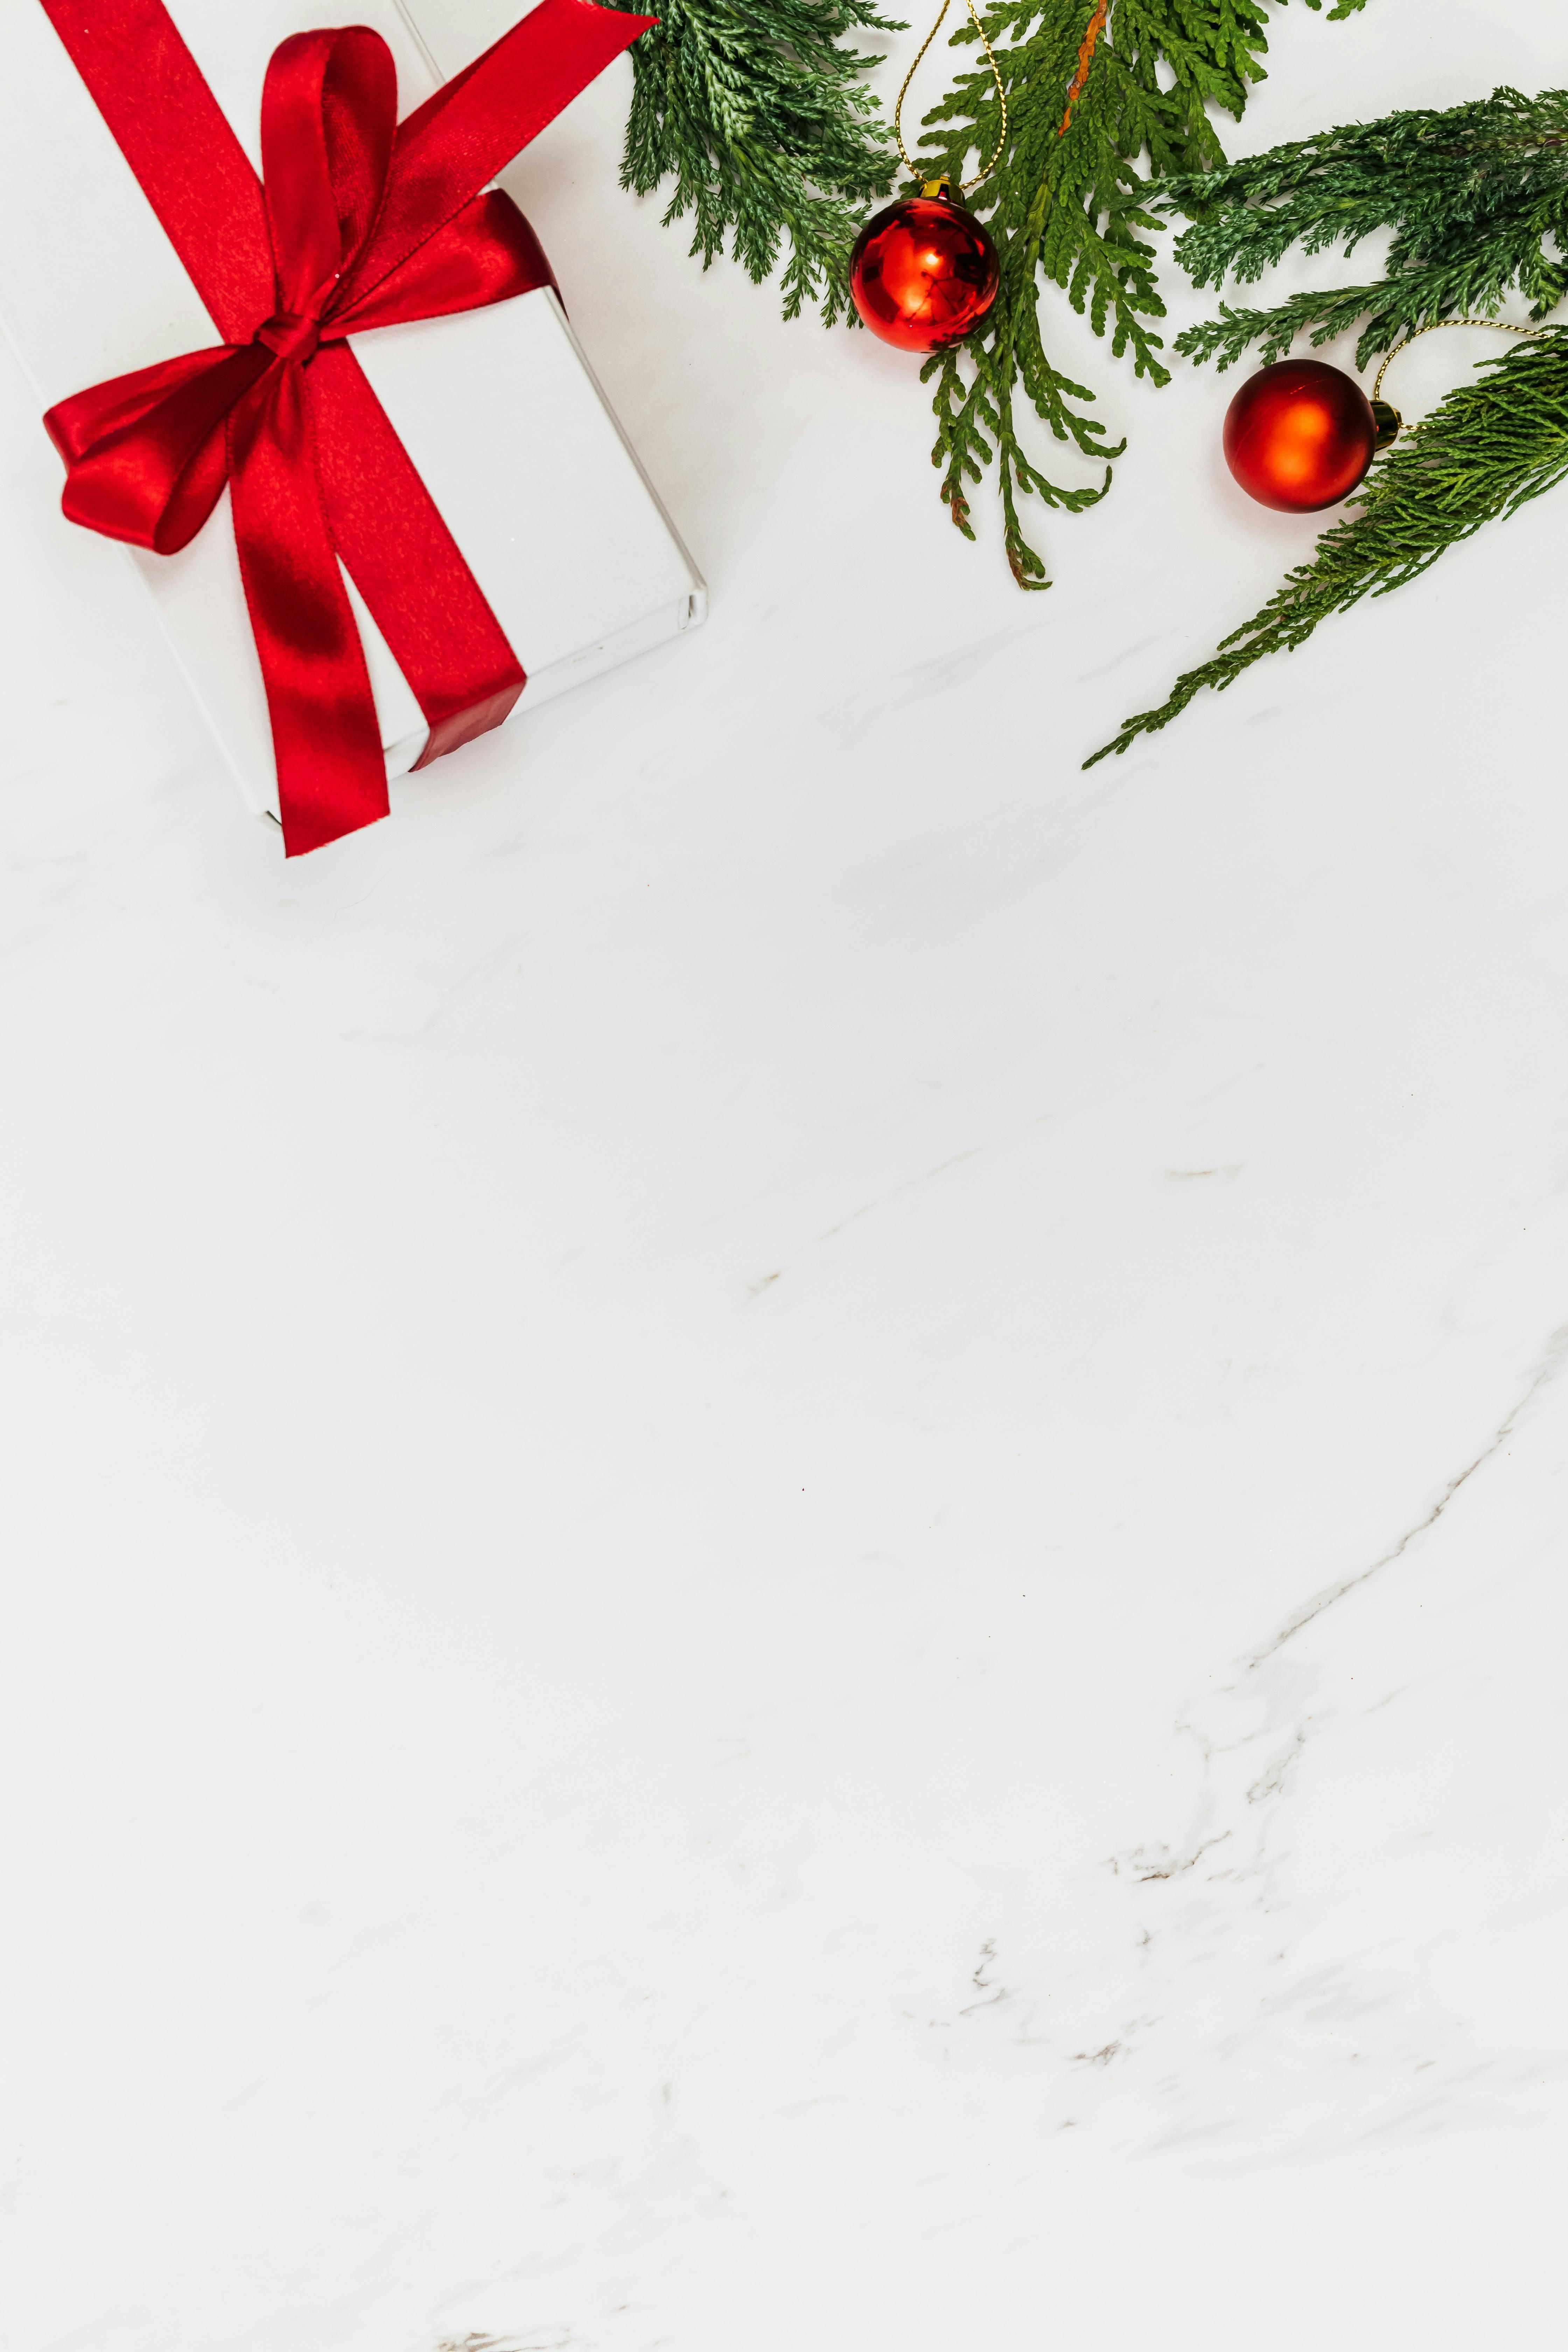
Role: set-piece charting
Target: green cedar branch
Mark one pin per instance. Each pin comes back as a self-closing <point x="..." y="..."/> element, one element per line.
<point x="1477" y="197"/>
<point x="1493" y="445"/>
<point x="1100" y="100"/>
<point x="758" y="111"/>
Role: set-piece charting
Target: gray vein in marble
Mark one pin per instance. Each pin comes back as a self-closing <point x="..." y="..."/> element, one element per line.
<point x="1554" y="1356"/>
<point x="909" y="1184"/>
<point x="1230" y="1972"/>
<point x="552" y="2339"/>
<point x="991" y="1995"/>
<point x="1169" y="1865"/>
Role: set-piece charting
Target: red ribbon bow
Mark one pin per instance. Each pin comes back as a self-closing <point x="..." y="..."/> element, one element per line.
<point x="360" y="222"/>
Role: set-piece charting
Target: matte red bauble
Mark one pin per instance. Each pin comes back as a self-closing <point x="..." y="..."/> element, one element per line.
<point x="923" y="273"/>
<point x="1299" y="436"/>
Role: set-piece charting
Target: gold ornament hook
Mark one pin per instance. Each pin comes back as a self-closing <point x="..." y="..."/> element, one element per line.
<point x="1390" y="424"/>
<point x="930" y="187"/>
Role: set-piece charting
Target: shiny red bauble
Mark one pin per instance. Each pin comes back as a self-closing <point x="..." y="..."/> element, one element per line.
<point x="1299" y="436"/>
<point x="923" y="273"/>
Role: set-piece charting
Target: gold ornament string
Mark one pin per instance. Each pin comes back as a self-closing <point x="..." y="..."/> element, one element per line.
<point x="917" y="171"/>
<point x="1501" y="326"/>
<point x="1085" y="59"/>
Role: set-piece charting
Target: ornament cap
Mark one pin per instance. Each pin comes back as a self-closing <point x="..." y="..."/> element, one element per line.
<point x="1389" y="422"/>
<point x="942" y="187"/>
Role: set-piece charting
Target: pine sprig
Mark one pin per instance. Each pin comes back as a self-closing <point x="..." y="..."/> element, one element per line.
<point x="1102" y="95"/>
<point x="758" y="111"/>
<point x="1493" y="445"/>
<point x="1475" y="195"/>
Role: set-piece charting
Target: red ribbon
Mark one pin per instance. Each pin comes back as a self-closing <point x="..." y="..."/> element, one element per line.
<point x="360" y="221"/>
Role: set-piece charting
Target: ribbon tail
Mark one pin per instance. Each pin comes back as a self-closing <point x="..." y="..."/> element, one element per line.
<point x="405" y="563"/>
<point x="331" y="771"/>
<point x="186" y="159"/>
<point x="469" y="131"/>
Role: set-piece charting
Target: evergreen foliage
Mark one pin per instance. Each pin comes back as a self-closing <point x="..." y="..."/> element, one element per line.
<point x="758" y="111"/>
<point x="1473" y="197"/>
<point x="1492" y="446"/>
<point x="1476" y="196"/>
<point x="1101" y="95"/>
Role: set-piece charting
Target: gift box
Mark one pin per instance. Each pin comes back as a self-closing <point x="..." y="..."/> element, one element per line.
<point x="495" y="406"/>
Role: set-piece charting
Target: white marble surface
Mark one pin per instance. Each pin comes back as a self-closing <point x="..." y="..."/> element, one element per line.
<point x="786" y="1495"/>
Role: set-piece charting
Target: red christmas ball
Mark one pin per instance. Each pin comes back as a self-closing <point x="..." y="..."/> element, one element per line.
<point x="1299" y="436"/>
<point x="923" y="273"/>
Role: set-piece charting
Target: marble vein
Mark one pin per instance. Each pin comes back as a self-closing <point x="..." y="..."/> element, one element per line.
<point x="1552" y="1357"/>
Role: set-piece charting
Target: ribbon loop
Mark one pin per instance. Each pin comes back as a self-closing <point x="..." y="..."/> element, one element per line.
<point x="146" y="455"/>
<point x="329" y="115"/>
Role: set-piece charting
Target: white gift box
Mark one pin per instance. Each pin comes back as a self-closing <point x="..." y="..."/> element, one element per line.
<point x="576" y="555"/>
